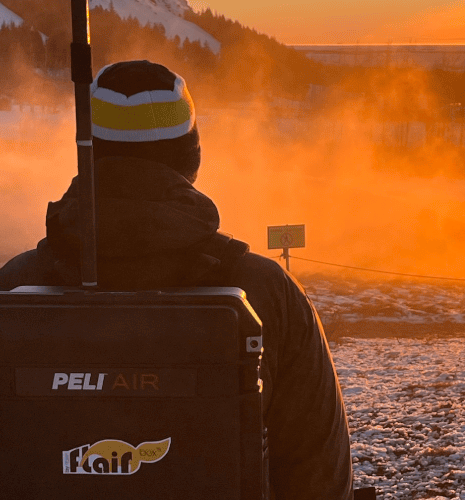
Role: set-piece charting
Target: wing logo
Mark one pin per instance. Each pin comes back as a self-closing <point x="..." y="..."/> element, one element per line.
<point x="113" y="457"/>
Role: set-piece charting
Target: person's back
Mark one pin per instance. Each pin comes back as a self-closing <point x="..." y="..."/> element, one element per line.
<point x="156" y="230"/>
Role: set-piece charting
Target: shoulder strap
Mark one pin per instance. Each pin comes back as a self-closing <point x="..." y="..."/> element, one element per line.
<point x="235" y="250"/>
<point x="227" y="251"/>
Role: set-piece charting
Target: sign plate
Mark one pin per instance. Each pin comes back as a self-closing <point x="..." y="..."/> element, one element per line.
<point x="286" y="236"/>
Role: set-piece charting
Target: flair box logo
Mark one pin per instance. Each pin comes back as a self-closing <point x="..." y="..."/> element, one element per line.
<point x="113" y="457"/>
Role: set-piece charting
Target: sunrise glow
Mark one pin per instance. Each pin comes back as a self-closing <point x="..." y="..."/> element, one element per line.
<point x="363" y="21"/>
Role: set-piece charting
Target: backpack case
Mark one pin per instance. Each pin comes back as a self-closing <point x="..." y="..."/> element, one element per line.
<point x="131" y="395"/>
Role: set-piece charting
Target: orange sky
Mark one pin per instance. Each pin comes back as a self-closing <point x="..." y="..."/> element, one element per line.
<point x="339" y="21"/>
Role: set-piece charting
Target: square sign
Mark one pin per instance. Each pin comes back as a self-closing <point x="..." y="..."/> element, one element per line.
<point x="286" y="236"/>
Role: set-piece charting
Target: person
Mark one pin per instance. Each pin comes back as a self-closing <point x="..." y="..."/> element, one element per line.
<point x="155" y="229"/>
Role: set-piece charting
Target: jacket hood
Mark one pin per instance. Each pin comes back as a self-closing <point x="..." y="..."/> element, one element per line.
<point x="152" y="224"/>
<point x="142" y="208"/>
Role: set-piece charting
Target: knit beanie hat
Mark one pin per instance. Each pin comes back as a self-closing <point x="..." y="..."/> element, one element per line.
<point x="143" y="110"/>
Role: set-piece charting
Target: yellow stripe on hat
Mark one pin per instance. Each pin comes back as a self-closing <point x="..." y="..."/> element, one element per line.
<point x="143" y="116"/>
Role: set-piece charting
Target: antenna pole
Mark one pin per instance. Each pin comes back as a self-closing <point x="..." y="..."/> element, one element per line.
<point x="81" y="75"/>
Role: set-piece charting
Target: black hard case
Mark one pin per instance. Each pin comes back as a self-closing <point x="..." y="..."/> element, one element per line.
<point x="202" y="345"/>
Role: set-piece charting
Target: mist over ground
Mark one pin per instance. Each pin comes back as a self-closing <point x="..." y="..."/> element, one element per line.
<point x="363" y="204"/>
<point x="365" y="200"/>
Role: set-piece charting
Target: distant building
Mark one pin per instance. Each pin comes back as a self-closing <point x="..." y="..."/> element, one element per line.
<point x="446" y="57"/>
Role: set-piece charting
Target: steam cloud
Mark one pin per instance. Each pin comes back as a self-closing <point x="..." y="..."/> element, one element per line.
<point x="322" y="169"/>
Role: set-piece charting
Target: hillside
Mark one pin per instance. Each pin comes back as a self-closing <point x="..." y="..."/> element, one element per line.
<point x="220" y="58"/>
<point x="166" y="13"/>
<point x="43" y="15"/>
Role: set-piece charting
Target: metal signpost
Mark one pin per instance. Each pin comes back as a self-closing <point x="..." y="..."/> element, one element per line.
<point x="286" y="237"/>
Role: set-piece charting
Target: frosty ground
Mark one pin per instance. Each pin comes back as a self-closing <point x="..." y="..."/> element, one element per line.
<point x="399" y="352"/>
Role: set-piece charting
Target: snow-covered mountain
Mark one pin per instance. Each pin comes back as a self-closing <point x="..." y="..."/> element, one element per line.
<point x="165" y="12"/>
<point x="8" y="18"/>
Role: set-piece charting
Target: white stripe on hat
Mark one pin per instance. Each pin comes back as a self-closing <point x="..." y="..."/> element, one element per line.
<point x="145" y="97"/>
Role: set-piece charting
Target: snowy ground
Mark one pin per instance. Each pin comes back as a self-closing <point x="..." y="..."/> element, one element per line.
<point x="370" y="308"/>
<point x="400" y="355"/>
<point x="405" y="404"/>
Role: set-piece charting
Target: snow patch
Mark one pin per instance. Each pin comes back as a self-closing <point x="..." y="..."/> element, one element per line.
<point x="9" y="18"/>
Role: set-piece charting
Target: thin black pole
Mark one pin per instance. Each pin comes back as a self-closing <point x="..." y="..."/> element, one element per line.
<point x="81" y="74"/>
<point x="286" y="256"/>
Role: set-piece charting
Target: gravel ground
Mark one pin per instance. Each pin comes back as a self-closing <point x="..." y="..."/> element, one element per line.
<point x="404" y="400"/>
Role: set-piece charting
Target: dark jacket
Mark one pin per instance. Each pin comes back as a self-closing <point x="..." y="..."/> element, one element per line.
<point x="157" y="230"/>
